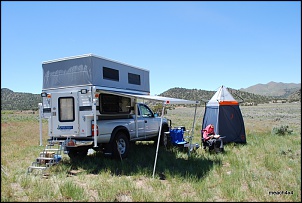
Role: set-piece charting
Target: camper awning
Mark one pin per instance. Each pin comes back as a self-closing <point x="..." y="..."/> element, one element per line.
<point x="165" y="100"/>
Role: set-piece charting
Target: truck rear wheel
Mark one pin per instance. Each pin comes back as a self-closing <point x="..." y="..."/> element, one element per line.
<point x="120" y="145"/>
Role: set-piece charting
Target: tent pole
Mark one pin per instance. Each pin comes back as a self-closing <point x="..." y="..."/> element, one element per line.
<point x="159" y="133"/>
<point x="205" y="108"/>
<point x="216" y="130"/>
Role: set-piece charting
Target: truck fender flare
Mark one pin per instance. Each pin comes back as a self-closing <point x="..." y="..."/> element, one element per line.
<point x="117" y="129"/>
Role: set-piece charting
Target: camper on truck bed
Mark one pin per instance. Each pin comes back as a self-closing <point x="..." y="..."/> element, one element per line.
<point x="77" y="91"/>
<point x="92" y="103"/>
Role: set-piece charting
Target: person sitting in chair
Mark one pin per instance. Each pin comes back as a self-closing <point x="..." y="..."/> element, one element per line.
<point x="214" y="141"/>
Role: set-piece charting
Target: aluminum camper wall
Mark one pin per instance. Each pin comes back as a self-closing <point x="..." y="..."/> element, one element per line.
<point x="93" y="70"/>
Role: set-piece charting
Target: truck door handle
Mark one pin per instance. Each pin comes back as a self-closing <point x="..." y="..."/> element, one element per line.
<point x="146" y="121"/>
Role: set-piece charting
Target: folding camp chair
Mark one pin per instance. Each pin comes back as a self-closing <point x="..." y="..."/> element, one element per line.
<point x="177" y="136"/>
<point x="211" y="145"/>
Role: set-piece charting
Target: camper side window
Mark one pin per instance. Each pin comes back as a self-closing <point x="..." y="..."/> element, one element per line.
<point x="112" y="104"/>
<point x="134" y="79"/>
<point x="66" y="109"/>
<point x="110" y="74"/>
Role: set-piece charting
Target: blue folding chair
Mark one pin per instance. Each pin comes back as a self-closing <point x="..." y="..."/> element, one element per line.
<point x="177" y="136"/>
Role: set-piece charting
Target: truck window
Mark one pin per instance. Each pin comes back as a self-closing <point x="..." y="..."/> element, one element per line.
<point x="66" y="109"/>
<point x="145" y="111"/>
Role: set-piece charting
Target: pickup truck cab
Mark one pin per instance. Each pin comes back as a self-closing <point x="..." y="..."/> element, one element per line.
<point x="115" y="132"/>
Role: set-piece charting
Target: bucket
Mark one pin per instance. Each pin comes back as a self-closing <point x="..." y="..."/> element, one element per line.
<point x="57" y="157"/>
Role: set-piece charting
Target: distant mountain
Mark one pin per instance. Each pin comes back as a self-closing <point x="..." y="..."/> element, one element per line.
<point x="275" y="89"/>
<point x="203" y="95"/>
<point x="256" y="94"/>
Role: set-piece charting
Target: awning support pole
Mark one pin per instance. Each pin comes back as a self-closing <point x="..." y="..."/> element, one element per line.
<point x="94" y="117"/>
<point x="158" y="141"/>
<point x="192" y="132"/>
<point x="136" y="114"/>
<point x="40" y="121"/>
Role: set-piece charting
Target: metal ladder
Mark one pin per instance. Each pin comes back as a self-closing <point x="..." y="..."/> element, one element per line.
<point x="48" y="157"/>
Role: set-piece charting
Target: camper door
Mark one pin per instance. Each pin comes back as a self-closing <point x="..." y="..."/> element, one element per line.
<point x="64" y="114"/>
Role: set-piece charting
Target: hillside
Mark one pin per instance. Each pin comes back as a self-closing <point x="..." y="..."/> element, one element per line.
<point x="11" y="100"/>
<point x="275" y="89"/>
<point x="203" y="95"/>
<point x="296" y="96"/>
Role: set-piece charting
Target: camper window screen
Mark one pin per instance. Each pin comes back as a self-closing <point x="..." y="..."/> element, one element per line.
<point x="134" y="79"/>
<point x="110" y="104"/>
<point x="110" y="74"/>
<point x="66" y="109"/>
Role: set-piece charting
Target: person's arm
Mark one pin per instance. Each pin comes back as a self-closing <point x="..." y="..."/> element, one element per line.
<point x="208" y="137"/>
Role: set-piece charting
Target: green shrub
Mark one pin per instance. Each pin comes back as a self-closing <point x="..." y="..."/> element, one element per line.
<point x="281" y="130"/>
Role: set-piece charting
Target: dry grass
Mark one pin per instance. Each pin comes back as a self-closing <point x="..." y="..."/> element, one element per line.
<point x="251" y="172"/>
<point x="257" y="119"/>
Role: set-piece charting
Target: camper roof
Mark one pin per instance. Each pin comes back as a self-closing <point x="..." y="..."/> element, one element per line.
<point x="87" y="55"/>
<point x="92" y="70"/>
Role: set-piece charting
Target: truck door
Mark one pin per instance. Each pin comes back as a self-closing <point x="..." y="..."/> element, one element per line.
<point x="151" y="124"/>
<point x="64" y="114"/>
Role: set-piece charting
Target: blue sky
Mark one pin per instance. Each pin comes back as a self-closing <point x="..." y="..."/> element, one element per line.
<point x="189" y="44"/>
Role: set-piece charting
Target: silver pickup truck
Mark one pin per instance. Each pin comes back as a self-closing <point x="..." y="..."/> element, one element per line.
<point x="116" y="131"/>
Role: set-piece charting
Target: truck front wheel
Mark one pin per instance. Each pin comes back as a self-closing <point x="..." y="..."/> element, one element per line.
<point x="120" y="145"/>
<point x="163" y="141"/>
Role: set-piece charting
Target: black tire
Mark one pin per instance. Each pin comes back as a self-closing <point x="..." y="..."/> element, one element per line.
<point x="164" y="140"/>
<point x="167" y="140"/>
<point x="120" y="146"/>
<point x="74" y="154"/>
